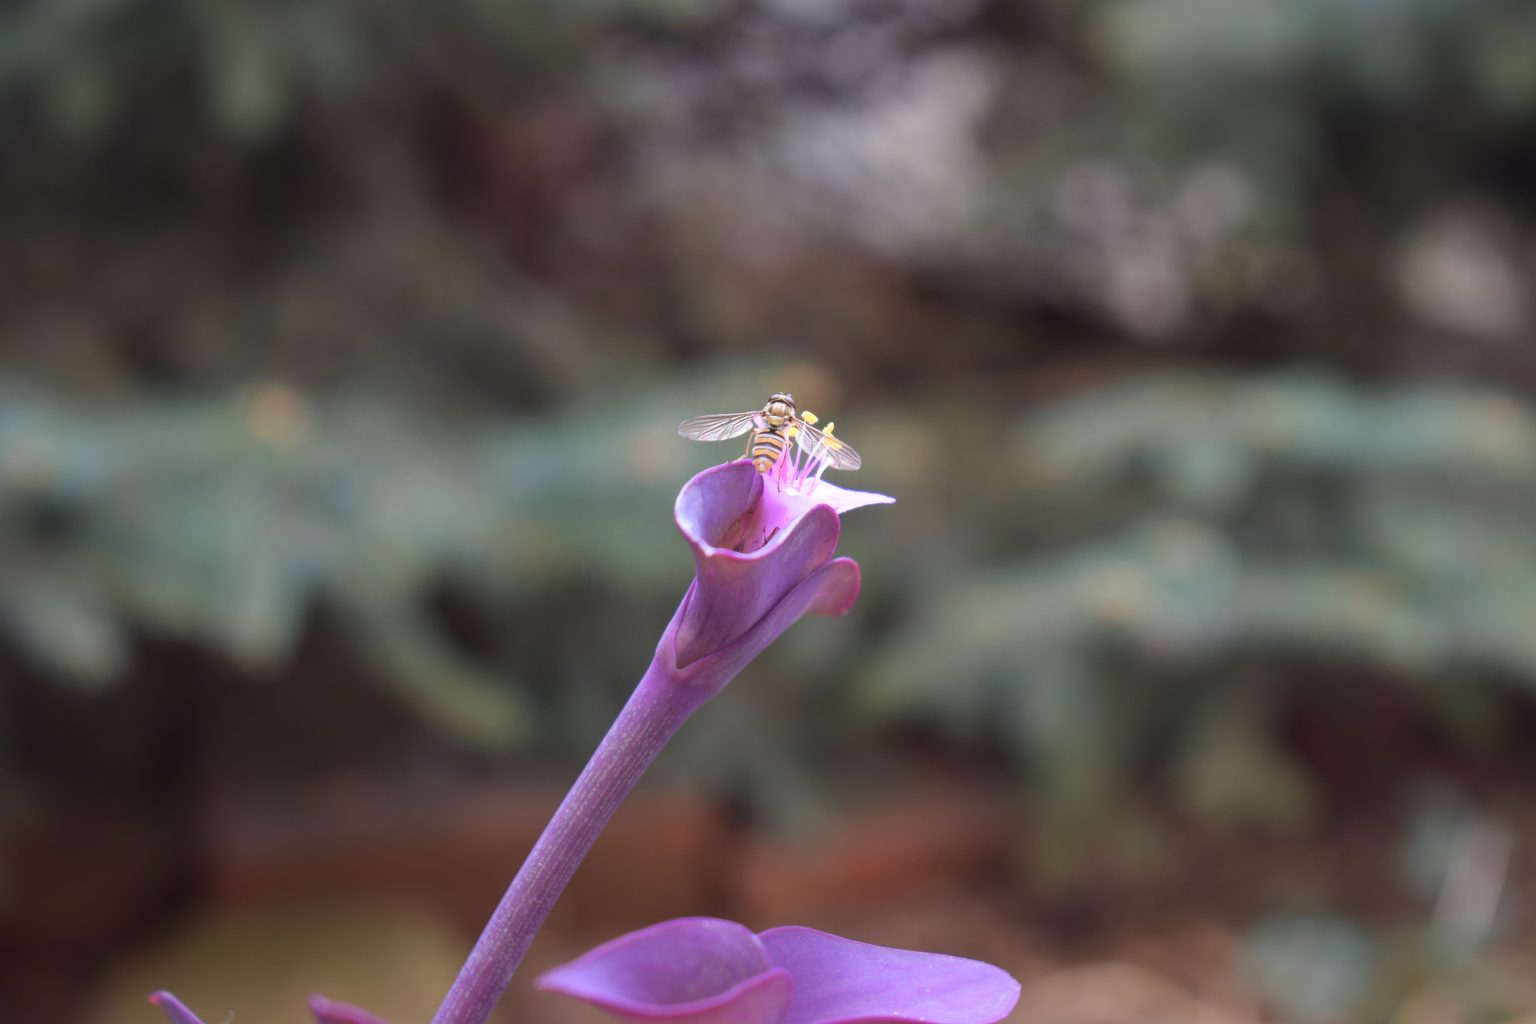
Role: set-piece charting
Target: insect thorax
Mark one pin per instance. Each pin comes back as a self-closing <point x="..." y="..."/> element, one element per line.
<point x="779" y="410"/>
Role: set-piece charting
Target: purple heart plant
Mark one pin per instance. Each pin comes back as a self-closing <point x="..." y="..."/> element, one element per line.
<point x="763" y="547"/>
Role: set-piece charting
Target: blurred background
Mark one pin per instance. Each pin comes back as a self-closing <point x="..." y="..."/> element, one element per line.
<point x="341" y="350"/>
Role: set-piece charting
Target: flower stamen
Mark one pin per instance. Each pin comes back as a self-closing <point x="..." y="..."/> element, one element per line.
<point x="799" y="470"/>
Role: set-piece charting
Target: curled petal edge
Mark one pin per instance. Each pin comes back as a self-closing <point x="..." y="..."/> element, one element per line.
<point x="716" y="509"/>
<point x="830" y="590"/>
<point x="753" y="990"/>
<point x="733" y="590"/>
<point x="714" y="502"/>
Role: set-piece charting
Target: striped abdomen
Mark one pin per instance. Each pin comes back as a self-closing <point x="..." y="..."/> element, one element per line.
<point x="768" y="444"/>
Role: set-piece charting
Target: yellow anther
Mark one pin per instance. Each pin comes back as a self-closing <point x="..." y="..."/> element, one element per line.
<point x="830" y="427"/>
<point x="809" y="417"/>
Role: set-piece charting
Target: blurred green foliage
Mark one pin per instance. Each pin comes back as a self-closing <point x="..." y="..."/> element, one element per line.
<point x="262" y="68"/>
<point x="1247" y="176"/>
<point x="223" y="522"/>
<point x="1239" y="534"/>
<point x="355" y="306"/>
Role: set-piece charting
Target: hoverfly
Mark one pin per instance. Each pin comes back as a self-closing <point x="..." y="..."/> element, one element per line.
<point x="772" y="426"/>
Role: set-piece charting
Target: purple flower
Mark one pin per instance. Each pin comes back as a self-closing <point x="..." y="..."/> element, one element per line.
<point x="763" y="547"/>
<point x="702" y="970"/>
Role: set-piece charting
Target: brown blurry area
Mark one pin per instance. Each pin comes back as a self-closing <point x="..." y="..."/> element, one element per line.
<point x="341" y="350"/>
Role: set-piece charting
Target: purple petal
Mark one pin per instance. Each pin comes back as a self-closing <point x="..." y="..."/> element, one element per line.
<point x="327" y="1011"/>
<point x="698" y="970"/>
<point x="712" y="507"/>
<point x="830" y="590"/>
<point x="174" y="1008"/>
<point x="840" y="981"/>
<point x="779" y="506"/>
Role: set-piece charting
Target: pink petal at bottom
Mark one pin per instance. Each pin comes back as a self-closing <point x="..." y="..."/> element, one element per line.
<point x="695" y="970"/>
<point x="840" y="981"/>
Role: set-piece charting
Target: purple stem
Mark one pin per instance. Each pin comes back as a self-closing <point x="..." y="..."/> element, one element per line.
<point x="657" y="709"/>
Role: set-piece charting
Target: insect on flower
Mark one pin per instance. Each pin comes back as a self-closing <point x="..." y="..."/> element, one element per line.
<point x="773" y="427"/>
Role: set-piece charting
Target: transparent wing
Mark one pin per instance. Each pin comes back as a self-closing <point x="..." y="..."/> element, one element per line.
<point x="819" y="445"/>
<point x="717" y="426"/>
